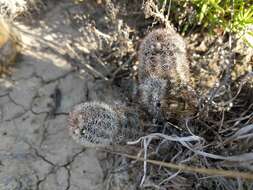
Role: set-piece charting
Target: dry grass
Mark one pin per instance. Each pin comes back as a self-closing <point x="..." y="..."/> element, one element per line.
<point x="14" y="8"/>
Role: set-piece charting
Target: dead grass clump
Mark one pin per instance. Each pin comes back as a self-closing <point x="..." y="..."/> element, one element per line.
<point x="111" y="49"/>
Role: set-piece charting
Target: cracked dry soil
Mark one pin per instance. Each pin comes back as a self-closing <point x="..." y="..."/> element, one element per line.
<point x="36" y="151"/>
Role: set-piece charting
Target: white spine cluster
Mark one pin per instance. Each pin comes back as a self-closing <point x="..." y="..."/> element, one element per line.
<point x="163" y="69"/>
<point x="99" y="123"/>
<point x="162" y="54"/>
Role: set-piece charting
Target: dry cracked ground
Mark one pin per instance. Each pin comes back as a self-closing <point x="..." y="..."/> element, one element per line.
<point x="36" y="151"/>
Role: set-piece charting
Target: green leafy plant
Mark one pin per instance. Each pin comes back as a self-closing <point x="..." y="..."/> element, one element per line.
<point x="214" y="16"/>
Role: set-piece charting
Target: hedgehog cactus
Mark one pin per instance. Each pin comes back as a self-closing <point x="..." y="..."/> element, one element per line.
<point x="163" y="54"/>
<point x="164" y="92"/>
<point x="99" y="123"/>
<point x="151" y="91"/>
<point x="164" y="75"/>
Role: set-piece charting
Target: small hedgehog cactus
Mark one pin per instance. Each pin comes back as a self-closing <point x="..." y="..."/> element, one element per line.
<point x="164" y="75"/>
<point x="151" y="91"/>
<point x="99" y="123"/>
<point x="164" y="91"/>
<point x="163" y="54"/>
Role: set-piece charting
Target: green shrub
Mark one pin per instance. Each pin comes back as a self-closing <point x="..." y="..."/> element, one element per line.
<point x="214" y="16"/>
